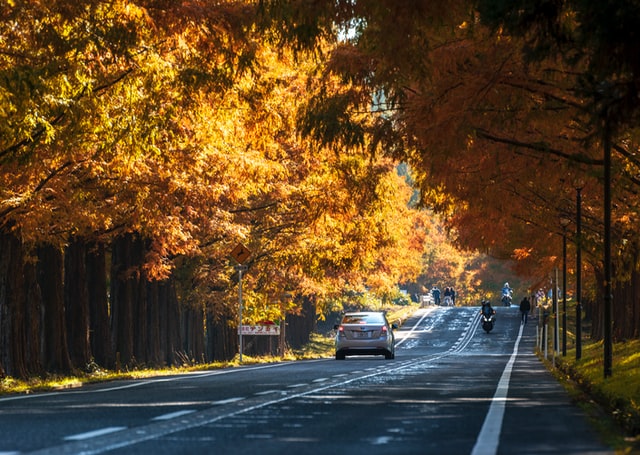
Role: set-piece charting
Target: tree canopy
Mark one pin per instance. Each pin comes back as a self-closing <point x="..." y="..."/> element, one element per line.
<point x="186" y="128"/>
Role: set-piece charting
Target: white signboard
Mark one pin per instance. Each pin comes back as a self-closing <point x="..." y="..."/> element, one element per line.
<point x="271" y="329"/>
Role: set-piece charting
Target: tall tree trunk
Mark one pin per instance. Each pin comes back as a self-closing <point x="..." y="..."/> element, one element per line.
<point x="124" y="279"/>
<point x="100" y="332"/>
<point x="76" y="297"/>
<point x="193" y="333"/>
<point x="301" y="325"/>
<point x="155" y="349"/>
<point x="140" y="305"/>
<point x="626" y="311"/>
<point x="170" y="320"/>
<point x="222" y="338"/>
<point x="51" y="280"/>
<point x="33" y="320"/>
<point x="13" y="337"/>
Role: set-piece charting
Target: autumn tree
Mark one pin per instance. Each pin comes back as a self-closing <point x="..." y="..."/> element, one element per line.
<point x="140" y="142"/>
<point x="476" y="97"/>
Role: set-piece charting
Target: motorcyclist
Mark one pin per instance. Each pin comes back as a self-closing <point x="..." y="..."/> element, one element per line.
<point x="507" y="293"/>
<point x="487" y="310"/>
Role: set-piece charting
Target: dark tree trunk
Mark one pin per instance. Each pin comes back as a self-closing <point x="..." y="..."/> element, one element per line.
<point x="170" y="321"/>
<point x="155" y="348"/>
<point x="140" y="305"/>
<point x="625" y="308"/>
<point x="76" y="296"/>
<point x="100" y="332"/>
<point x="51" y="279"/>
<point x="300" y="326"/>
<point x="222" y="339"/>
<point x="34" y="307"/>
<point x="626" y="311"/>
<point x="193" y="334"/>
<point x="124" y="283"/>
<point x="14" y="340"/>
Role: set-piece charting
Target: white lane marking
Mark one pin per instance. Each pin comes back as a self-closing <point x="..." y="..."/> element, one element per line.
<point x="228" y="400"/>
<point x="489" y="437"/>
<point x="173" y="415"/>
<point x="415" y="327"/>
<point x="267" y="392"/>
<point x="320" y="380"/>
<point x="382" y="440"/>
<point x="93" y="434"/>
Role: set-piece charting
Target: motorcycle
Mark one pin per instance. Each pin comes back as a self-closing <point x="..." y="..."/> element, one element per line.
<point x="506" y="299"/>
<point x="487" y="322"/>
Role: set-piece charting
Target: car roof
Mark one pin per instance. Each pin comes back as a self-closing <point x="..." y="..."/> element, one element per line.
<point x="371" y="317"/>
<point x="363" y="312"/>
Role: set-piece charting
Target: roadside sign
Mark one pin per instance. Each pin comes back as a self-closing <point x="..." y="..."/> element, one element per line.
<point x="241" y="253"/>
<point x="270" y="329"/>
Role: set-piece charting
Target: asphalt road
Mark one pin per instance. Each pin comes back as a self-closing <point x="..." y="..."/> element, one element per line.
<point x="452" y="389"/>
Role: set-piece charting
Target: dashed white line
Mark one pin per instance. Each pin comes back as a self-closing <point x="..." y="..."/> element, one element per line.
<point x="228" y="400"/>
<point x="266" y="392"/>
<point x="93" y="434"/>
<point x="173" y="415"/>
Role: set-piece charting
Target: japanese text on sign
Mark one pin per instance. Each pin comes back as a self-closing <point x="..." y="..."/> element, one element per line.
<point x="260" y="330"/>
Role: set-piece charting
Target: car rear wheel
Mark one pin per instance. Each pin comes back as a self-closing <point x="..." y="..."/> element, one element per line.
<point x="339" y="355"/>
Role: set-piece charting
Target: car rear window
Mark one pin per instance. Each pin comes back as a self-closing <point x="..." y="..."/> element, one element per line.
<point x="374" y="318"/>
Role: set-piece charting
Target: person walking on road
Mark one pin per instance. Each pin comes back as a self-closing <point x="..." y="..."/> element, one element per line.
<point x="525" y="307"/>
<point x="435" y="292"/>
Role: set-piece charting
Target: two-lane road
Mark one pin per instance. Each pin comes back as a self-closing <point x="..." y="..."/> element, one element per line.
<point x="452" y="389"/>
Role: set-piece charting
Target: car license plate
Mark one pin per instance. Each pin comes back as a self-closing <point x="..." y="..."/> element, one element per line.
<point x="363" y="334"/>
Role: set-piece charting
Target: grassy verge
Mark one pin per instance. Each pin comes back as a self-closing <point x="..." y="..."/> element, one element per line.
<point x="612" y="404"/>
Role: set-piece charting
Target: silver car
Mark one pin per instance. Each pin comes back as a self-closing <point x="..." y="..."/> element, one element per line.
<point x="365" y="333"/>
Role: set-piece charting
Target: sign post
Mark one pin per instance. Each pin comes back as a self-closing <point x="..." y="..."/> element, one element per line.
<point x="240" y="268"/>
<point x="240" y="253"/>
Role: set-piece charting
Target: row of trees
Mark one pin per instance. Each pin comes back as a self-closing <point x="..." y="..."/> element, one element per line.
<point x="502" y="109"/>
<point x="141" y="141"/>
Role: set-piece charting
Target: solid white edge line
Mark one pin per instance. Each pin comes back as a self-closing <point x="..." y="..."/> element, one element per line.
<point x="489" y="437"/>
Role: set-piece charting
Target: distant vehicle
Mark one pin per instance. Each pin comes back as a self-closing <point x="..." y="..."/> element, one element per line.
<point x="487" y="316"/>
<point x="487" y="322"/>
<point x="365" y="333"/>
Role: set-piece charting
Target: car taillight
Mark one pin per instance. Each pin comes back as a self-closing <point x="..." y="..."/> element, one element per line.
<point x="384" y="332"/>
<point x="340" y="331"/>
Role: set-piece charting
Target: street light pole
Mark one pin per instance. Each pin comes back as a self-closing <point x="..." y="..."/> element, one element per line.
<point x="556" y="323"/>
<point x="578" y="273"/>
<point x="564" y="222"/>
<point x="608" y="298"/>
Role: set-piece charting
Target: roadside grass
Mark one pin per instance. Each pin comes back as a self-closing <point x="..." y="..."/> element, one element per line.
<point x="611" y="404"/>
